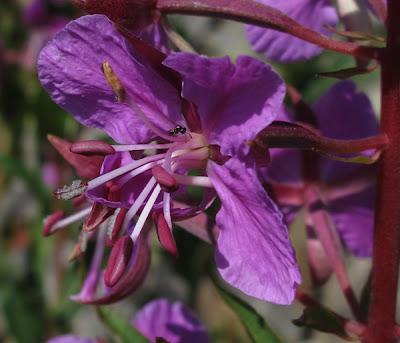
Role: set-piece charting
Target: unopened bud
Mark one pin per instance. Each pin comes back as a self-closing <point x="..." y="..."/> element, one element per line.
<point x="320" y="265"/>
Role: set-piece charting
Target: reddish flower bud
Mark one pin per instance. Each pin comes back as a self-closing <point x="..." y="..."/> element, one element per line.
<point x="118" y="260"/>
<point x="133" y="14"/>
<point x="164" y="234"/>
<point x="92" y="147"/>
<point x="319" y="262"/>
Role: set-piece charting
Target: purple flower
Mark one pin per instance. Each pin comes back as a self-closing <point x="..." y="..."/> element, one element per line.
<point x="171" y="321"/>
<point x="345" y="190"/>
<point x="72" y="339"/>
<point x="282" y="47"/>
<point x="226" y="105"/>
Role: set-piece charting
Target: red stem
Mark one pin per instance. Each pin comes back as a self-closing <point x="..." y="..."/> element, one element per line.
<point x="252" y="12"/>
<point x="386" y="256"/>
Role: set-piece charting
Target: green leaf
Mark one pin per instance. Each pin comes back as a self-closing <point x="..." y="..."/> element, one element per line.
<point x="322" y="319"/>
<point x="255" y="325"/>
<point x="120" y="326"/>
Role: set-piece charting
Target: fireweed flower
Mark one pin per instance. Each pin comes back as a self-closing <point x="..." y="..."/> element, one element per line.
<point x="282" y="47"/>
<point x="160" y="318"/>
<point x="136" y="107"/>
<point x="344" y="190"/>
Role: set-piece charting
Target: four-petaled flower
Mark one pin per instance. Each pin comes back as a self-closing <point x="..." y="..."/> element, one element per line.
<point x="90" y="70"/>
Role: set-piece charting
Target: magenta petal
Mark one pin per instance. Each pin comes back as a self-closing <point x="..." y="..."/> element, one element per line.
<point x="234" y="101"/>
<point x="281" y="47"/>
<point x="354" y="220"/>
<point x="343" y="113"/>
<point x="254" y="253"/>
<point x="155" y="35"/>
<point x="70" y="69"/>
<point x="171" y="321"/>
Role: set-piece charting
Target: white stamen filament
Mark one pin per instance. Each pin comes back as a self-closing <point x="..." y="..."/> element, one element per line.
<point x="145" y="213"/>
<point x="141" y="147"/>
<point x="167" y="209"/>
<point x="138" y="202"/>
<point x="201" y="181"/>
<point x="71" y="219"/>
<point x="124" y="179"/>
<point x="122" y="170"/>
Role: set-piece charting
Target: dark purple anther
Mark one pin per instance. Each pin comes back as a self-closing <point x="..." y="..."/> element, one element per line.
<point x="92" y="147"/>
<point x="118" y="260"/>
<point x="164" y="234"/>
<point x="165" y="179"/>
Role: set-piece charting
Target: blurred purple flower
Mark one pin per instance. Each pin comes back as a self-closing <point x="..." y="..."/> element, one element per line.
<point x="42" y="24"/>
<point x="282" y="47"/>
<point x="172" y="321"/>
<point x="230" y="103"/>
<point x="72" y="339"/>
<point x="160" y="318"/>
<point x="346" y="190"/>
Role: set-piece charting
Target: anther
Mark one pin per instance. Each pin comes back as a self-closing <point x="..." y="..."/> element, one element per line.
<point x="118" y="260"/>
<point x="92" y="147"/>
<point x="164" y="234"/>
<point x="166" y="180"/>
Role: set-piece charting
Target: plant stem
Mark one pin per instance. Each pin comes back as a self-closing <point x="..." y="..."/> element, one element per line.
<point x="386" y="255"/>
<point x="253" y="12"/>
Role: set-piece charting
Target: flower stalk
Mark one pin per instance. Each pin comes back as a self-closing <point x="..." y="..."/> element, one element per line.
<point x="252" y="12"/>
<point x="386" y="255"/>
